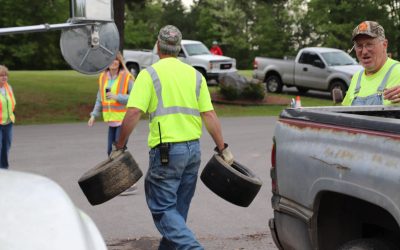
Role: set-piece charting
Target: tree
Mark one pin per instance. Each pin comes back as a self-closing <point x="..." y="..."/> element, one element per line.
<point x="34" y="50"/>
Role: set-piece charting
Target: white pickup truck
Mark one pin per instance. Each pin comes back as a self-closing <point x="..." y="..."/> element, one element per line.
<point x="314" y="68"/>
<point x="194" y="53"/>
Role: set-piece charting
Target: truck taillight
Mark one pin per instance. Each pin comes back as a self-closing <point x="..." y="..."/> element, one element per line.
<point x="274" y="182"/>
<point x="255" y="64"/>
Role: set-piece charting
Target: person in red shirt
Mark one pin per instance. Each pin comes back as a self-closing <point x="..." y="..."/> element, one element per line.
<point x="215" y="49"/>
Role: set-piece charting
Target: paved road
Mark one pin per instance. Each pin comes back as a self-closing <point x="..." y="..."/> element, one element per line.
<point x="64" y="152"/>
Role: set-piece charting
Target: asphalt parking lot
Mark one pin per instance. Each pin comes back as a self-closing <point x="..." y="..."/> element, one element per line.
<point x="63" y="152"/>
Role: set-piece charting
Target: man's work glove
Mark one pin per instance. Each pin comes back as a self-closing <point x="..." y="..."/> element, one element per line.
<point x="116" y="152"/>
<point x="225" y="154"/>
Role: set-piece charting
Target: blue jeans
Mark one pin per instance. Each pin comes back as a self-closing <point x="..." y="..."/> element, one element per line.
<point x="169" y="191"/>
<point x="113" y="134"/>
<point x="5" y="139"/>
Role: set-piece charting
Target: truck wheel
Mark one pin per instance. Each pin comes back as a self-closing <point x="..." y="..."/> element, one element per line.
<point x="133" y="68"/>
<point x="110" y="178"/>
<point x="236" y="183"/>
<point x="337" y="85"/>
<point x="367" y="244"/>
<point x="302" y="90"/>
<point x="274" y="84"/>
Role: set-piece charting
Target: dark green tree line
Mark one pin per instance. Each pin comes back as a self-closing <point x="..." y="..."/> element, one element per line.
<point x="245" y="29"/>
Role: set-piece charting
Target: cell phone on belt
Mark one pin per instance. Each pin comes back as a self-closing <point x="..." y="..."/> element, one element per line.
<point x="164" y="150"/>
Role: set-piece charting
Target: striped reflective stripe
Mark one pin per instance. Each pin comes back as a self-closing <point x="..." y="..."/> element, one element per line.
<point x="113" y="107"/>
<point x="161" y="110"/>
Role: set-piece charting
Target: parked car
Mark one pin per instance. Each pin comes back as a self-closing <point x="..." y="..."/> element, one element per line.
<point x="335" y="176"/>
<point x="313" y="68"/>
<point x="37" y="214"/>
<point x="194" y="53"/>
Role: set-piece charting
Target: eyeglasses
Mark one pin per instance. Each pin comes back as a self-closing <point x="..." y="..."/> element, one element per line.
<point x="367" y="46"/>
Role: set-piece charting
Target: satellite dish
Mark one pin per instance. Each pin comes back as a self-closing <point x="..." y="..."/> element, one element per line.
<point x="90" y="49"/>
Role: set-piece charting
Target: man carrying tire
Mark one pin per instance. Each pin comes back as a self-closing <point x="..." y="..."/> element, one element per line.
<point x="177" y="99"/>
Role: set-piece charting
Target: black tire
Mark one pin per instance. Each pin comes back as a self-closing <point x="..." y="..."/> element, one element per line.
<point x="274" y="84"/>
<point x="367" y="244"/>
<point x="236" y="184"/>
<point x="302" y="90"/>
<point x="337" y="85"/>
<point x="110" y="178"/>
<point x="133" y="68"/>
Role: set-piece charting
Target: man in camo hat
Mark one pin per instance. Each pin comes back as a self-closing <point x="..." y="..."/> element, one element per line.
<point x="177" y="98"/>
<point x="377" y="83"/>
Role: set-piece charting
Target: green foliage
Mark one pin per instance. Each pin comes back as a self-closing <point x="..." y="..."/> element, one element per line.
<point x="35" y="50"/>
<point x="254" y="91"/>
<point x="229" y="92"/>
<point x="244" y="28"/>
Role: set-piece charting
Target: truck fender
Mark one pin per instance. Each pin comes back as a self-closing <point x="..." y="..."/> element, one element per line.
<point x="338" y="77"/>
<point x="347" y="188"/>
<point x="271" y="69"/>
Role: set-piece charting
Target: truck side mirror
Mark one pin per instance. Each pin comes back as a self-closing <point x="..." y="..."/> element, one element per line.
<point x="318" y="63"/>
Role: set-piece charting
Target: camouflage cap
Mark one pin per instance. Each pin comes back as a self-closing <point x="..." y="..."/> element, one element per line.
<point x="369" y="28"/>
<point x="169" y="39"/>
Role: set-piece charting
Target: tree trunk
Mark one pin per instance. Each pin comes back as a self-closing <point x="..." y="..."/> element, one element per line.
<point x="119" y="16"/>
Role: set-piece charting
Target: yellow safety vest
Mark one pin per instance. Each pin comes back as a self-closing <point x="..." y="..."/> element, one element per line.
<point x="7" y="105"/>
<point x="177" y="123"/>
<point x="114" y="111"/>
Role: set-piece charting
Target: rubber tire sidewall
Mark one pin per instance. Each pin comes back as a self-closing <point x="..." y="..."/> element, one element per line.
<point x="278" y="82"/>
<point x="236" y="184"/>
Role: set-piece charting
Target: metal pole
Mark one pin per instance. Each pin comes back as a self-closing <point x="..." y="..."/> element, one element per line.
<point x="41" y="28"/>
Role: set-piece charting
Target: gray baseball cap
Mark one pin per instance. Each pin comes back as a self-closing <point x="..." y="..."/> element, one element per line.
<point x="169" y="39"/>
<point x="369" y="28"/>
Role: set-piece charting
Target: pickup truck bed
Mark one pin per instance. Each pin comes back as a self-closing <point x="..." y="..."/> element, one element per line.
<point x="335" y="174"/>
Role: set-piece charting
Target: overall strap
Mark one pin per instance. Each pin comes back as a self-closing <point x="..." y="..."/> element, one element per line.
<point x="386" y="78"/>
<point x="358" y="86"/>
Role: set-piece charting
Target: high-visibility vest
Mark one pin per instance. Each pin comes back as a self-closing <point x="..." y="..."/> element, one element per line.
<point x="114" y="111"/>
<point x="7" y="105"/>
<point x="177" y="123"/>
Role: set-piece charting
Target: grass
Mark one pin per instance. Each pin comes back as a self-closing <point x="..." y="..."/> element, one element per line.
<point x="68" y="96"/>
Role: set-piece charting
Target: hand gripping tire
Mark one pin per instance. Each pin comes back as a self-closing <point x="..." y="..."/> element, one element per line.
<point x="236" y="183"/>
<point x="110" y="178"/>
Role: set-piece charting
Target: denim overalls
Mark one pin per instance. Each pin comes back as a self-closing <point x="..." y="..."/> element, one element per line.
<point x="374" y="99"/>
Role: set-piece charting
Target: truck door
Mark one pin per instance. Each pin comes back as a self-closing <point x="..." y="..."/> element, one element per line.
<point x="311" y="71"/>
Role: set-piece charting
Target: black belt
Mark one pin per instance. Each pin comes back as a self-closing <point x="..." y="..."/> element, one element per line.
<point x="171" y="143"/>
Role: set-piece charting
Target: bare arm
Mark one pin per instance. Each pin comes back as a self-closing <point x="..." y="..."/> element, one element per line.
<point x="214" y="128"/>
<point x="131" y="118"/>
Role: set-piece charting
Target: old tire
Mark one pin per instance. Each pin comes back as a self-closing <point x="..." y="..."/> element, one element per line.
<point x="367" y="244"/>
<point x="274" y="84"/>
<point x="337" y="85"/>
<point x="110" y="178"/>
<point x="236" y="184"/>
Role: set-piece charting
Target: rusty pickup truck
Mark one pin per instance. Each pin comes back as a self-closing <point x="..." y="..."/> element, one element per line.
<point x="335" y="174"/>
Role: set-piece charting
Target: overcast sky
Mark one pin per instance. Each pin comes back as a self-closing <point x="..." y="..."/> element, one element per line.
<point x="187" y="3"/>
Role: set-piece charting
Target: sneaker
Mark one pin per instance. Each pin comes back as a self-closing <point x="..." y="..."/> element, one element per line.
<point x="130" y="191"/>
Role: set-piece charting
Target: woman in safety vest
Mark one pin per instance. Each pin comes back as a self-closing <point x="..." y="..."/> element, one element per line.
<point x="7" y="105"/>
<point x="115" y="84"/>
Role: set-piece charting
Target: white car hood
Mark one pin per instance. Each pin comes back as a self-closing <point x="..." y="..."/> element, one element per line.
<point x="213" y="57"/>
<point x="38" y="215"/>
<point x="349" y="69"/>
